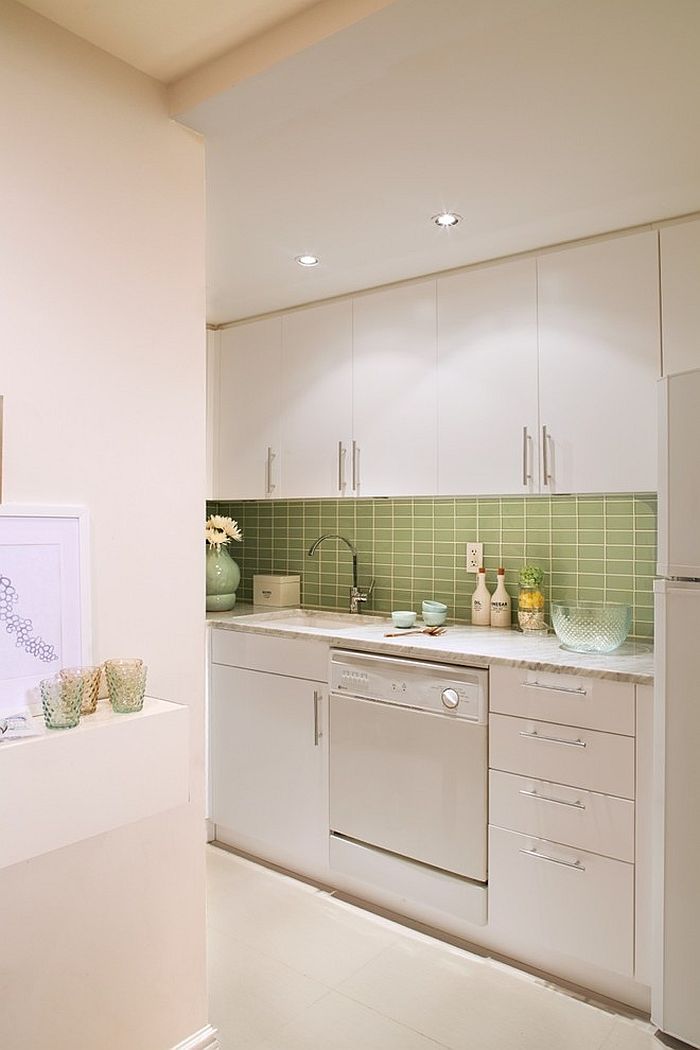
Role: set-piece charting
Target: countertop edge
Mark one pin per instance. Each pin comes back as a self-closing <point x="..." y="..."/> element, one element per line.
<point x="406" y="649"/>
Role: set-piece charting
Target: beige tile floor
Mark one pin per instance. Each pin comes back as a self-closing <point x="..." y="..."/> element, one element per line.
<point x="293" y="968"/>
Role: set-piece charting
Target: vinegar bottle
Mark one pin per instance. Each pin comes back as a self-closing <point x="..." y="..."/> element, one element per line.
<point x="481" y="602"/>
<point x="500" y="602"/>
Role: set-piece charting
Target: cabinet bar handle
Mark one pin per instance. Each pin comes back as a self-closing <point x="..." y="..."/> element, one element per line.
<point x="553" y="739"/>
<point x="545" y="456"/>
<point x="355" y="472"/>
<point x="317" y="719"/>
<point x="341" y="471"/>
<point x="575" y="864"/>
<point x="269" y="487"/>
<point x="548" y="798"/>
<point x="578" y="690"/>
<point x="527" y="476"/>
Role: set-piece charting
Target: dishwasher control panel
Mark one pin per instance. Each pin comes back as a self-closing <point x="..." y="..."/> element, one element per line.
<point x="459" y="692"/>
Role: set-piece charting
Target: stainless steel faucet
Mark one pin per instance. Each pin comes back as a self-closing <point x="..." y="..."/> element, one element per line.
<point x="357" y="597"/>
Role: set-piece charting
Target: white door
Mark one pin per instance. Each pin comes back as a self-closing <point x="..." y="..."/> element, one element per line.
<point x="680" y="301"/>
<point x="599" y="354"/>
<point x="268" y="766"/>
<point x="487" y="380"/>
<point x="317" y="400"/>
<point x="675" y="1004"/>
<point x="248" y="455"/>
<point x="395" y="392"/>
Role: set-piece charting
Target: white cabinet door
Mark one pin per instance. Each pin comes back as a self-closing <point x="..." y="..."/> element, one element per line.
<point x="395" y="392"/>
<point x="249" y="410"/>
<point x="317" y="400"/>
<point x="680" y="298"/>
<point x="599" y="344"/>
<point x="487" y="380"/>
<point x="269" y="760"/>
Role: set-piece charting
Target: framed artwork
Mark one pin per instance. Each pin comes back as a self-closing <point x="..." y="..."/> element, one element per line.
<point x="44" y="599"/>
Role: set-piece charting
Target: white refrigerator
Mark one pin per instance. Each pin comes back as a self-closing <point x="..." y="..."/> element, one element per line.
<point x="676" y="894"/>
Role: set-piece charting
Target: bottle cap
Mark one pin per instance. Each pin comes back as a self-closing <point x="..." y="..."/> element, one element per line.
<point x="501" y="571"/>
<point x="482" y="569"/>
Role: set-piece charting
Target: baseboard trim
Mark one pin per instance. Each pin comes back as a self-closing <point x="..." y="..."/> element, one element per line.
<point x="205" y="1039"/>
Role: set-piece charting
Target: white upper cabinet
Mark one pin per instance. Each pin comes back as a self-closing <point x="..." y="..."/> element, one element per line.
<point x="317" y="400"/>
<point x="599" y="359"/>
<point x="395" y="392"/>
<point x="487" y="380"/>
<point x="249" y="410"/>
<point x="680" y="296"/>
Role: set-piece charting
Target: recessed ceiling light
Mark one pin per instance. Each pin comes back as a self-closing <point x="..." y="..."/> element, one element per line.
<point x="446" y="219"/>
<point x="307" y="260"/>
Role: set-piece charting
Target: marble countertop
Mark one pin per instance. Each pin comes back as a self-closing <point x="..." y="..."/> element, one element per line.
<point x="461" y="643"/>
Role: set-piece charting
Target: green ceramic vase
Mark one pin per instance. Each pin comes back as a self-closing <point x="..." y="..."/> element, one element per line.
<point x="223" y="577"/>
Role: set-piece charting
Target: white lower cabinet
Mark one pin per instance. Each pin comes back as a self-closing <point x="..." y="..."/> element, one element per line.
<point x="565" y="900"/>
<point x="269" y="762"/>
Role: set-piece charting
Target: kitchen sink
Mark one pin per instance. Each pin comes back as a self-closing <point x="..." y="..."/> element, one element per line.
<point x="302" y="619"/>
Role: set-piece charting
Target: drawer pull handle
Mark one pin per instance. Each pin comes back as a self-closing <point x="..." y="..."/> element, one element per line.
<point x="575" y="864"/>
<point x="317" y="720"/>
<point x="553" y="739"/>
<point x="555" y="688"/>
<point x="548" y="798"/>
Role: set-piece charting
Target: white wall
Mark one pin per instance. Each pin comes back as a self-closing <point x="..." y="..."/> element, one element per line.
<point x="102" y="365"/>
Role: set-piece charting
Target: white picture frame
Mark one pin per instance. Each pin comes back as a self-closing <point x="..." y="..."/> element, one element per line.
<point x="44" y="599"/>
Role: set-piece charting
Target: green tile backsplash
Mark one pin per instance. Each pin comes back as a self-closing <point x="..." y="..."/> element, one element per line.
<point x="597" y="547"/>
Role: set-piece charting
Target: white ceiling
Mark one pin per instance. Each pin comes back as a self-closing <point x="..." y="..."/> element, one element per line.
<point x="167" y="38"/>
<point x="539" y="121"/>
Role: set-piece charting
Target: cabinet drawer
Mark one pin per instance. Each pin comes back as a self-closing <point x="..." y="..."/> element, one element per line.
<point x="571" y="700"/>
<point x="562" y="754"/>
<point x="572" y="816"/>
<point x="565" y="900"/>
<point x="293" y="657"/>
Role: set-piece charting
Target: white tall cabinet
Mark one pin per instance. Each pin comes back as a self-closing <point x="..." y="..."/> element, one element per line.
<point x="599" y="359"/>
<point x="487" y="380"/>
<point x="316" y="440"/>
<point x="680" y="298"/>
<point x="395" y="392"/>
<point x="249" y="408"/>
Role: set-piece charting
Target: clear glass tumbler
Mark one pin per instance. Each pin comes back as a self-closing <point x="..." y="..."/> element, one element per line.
<point x="61" y="700"/>
<point x="90" y="677"/>
<point x="126" y="684"/>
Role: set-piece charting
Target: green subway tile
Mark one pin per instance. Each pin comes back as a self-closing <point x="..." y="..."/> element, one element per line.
<point x="572" y="565"/>
<point x="589" y="566"/>
<point x="619" y="568"/>
<point x="623" y="597"/>
<point x="615" y="552"/>
<point x="619" y="537"/>
<point x="417" y="547"/>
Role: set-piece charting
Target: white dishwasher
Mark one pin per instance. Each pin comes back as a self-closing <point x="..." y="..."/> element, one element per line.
<point x="409" y="776"/>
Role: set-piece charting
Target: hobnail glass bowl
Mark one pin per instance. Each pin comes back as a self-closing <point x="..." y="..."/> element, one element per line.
<point x="591" y="627"/>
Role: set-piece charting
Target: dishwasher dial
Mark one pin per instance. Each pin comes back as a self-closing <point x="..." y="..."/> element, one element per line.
<point x="450" y="698"/>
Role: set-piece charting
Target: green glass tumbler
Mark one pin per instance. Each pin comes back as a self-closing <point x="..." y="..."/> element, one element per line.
<point x="126" y="684"/>
<point x="61" y="700"/>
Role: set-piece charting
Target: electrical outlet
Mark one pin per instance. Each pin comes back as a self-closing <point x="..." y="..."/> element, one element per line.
<point x="475" y="556"/>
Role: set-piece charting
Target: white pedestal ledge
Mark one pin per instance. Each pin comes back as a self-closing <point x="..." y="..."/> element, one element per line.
<point x="204" y="1039"/>
<point x="111" y="770"/>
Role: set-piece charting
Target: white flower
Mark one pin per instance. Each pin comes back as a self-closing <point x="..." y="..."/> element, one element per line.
<point x="228" y="526"/>
<point x="215" y="537"/>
